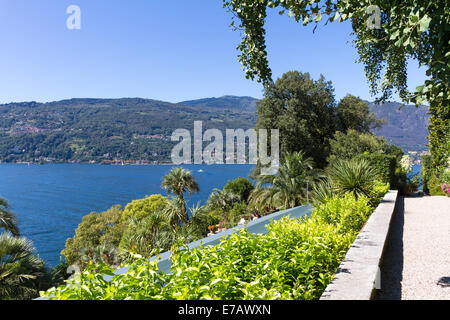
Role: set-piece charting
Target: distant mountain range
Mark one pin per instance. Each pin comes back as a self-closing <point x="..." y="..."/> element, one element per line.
<point x="246" y="104"/>
<point x="406" y="127"/>
<point x="138" y="130"/>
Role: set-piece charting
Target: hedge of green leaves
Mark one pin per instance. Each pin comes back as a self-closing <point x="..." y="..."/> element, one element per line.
<point x="385" y="165"/>
<point x="426" y="172"/>
<point x="296" y="259"/>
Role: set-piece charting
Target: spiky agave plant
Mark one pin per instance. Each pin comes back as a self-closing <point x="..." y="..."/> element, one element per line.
<point x="355" y="176"/>
<point x="322" y="191"/>
<point x="21" y="271"/>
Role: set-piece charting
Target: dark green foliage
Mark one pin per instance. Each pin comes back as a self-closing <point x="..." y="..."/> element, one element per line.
<point x="303" y="110"/>
<point x="201" y="219"/>
<point x="239" y="210"/>
<point x="385" y="166"/>
<point x="440" y="130"/>
<point x="432" y="177"/>
<point x="347" y="145"/>
<point x="240" y="186"/>
<point x="8" y="220"/>
<point x="288" y="188"/>
<point x="104" y="129"/>
<point x="96" y="229"/>
<point x="59" y="273"/>
<point x="352" y="176"/>
<point x="22" y="274"/>
<point x="296" y="259"/>
<point x="427" y="172"/>
<point x="353" y="113"/>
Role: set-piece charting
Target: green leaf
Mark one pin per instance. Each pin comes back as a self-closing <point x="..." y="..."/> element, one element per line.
<point x="424" y="23"/>
<point x="318" y="17"/>
<point x="336" y="16"/>
<point x="420" y="88"/>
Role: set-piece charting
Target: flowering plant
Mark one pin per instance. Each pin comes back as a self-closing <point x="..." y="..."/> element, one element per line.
<point x="446" y="188"/>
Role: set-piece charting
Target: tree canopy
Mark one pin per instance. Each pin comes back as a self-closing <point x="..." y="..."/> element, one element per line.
<point x="306" y="113"/>
<point x="353" y="113"/>
<point x="347" y="145"/>
<point x="417" y="29"/>
<point x="96" y="229"/>
<point x="303" y="109"/>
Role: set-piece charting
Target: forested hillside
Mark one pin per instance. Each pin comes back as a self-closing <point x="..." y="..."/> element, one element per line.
<point x="83" y="130"/>
<point x="103" y="129"/>
<point x="406" y="127"/>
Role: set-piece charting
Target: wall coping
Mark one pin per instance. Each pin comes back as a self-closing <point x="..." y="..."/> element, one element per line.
<point x="358" y="275"/>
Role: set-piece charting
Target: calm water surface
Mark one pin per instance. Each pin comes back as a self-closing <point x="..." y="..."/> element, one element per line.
<point x="50" y="200"/>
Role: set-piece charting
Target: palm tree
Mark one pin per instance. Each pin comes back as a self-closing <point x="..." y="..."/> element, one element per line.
<point x="287" y="188"/>
<point x="178" y="181"/>
<point x="144" y="235"/>
<point x="222" y="199"/>
<point x="7" y="219"/>
<point x="355" y="176"/>
<point x="174" y="212"/>
<point x="201" y="219"/>
<point x="20" y="271"/>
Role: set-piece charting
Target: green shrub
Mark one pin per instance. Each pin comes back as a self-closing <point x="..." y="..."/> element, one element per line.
<point x="144" y="207"/>
<point x="95" y="229"/>
<point x="345" y="145"/>
<point x="238" y="211"/>
<point x="378" y="192"/>
<point x="347" y="213"/>
<point x="434" y="186"/>
<point x="426" y="172"/>
<point x="385" y="166"/>
<point x="241" y="187"/>
<point x="296" y="259"/>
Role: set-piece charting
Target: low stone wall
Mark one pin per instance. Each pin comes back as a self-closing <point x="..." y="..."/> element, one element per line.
<point x="358" y="275"/>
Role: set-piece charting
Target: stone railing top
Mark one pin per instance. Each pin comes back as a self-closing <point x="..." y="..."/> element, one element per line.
<point x="358" y="274"/>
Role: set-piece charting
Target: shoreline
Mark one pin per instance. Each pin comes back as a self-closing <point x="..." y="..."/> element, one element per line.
<point x="120" y="165"/>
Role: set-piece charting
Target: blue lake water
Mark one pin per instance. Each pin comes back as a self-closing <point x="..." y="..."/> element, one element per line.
<point x="50" y="200"/>
<point x="416" y="169"/>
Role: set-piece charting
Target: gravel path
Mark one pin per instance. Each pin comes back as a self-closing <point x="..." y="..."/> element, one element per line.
<point x="417" y="258"/>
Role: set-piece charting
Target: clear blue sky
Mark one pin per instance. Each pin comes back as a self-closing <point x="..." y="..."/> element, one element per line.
<point x="166" y="50"/>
